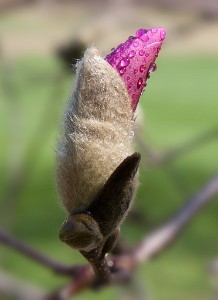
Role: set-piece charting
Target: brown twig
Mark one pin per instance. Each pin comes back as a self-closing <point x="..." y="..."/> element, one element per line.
<point x="167" y="233"/>
<point x="123" y="265"/>
<point x="101" y="270"/>
<point x="59" y="268"/>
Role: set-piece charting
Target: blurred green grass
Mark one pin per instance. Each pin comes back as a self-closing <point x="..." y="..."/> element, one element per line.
<point x="179" y="103"/>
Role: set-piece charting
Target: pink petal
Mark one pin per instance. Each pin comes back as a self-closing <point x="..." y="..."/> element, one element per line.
<point x="134" y="60"/>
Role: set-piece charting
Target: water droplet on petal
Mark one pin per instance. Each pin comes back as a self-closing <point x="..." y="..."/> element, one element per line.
<point x="131" y="53"/>
<point x="141" y="52"/>
<point x="124" y="62"/>
<point x="162" y="34"/>
<point x="122" y="71"/>
<point x="128" y="78"/>
<point x="144" y="86"/>
<point x="153" y="68"/>
<point x="144" y="37"/>
<point x="131" y="37"/>
<point x="112" y="49"/>
<point x="139" y="83"/>
<point x="135" y="44"/>
<point x="118" y="48"/>
<point x="130" y="85"/>
<point x="135" y="71"/>
<point x="147" y="54"/>
<point x="154" y="30"/>
<point x="142" y="68"/>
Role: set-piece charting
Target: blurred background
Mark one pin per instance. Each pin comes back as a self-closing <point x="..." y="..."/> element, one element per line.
<point x="40" y="42"/>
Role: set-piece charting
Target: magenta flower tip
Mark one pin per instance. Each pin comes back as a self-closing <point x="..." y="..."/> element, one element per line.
<point x="134" y="60"/>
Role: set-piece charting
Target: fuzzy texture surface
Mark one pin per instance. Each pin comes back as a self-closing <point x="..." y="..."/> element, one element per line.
<point x="98" y="131"/>
<point x="134" y="60"/>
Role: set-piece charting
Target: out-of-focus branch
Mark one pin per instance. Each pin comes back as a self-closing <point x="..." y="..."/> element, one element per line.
<point x="155" y="158"/>
<point x="168" y="232"/>
<point x="36" y="256"/>
<point x="200" y="140"/>
<point x="21" y="169"/>
<point x="123" y="265"/>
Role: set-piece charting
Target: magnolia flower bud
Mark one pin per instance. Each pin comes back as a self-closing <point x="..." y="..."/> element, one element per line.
<point x="98" y="131"/>
<point x="96" y="167"/>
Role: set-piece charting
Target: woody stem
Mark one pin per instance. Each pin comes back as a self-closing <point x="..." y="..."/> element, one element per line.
<point x="99" y="265"/>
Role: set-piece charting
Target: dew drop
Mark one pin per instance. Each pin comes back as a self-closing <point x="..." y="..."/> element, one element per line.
<point x="142" y="68"/>
<point x="155" y="49"/>
<point x="122" y="71"/>
<point x="141" y="52"/>
<point x="135" y="71"/>
<point x="112" y="49"/>
<point x="131" y="53"/>
<point x="153" y="68"/>
<point x="144" y="59"/>
<point x="131" y="37"/>
<point x="128" y="78"/>
<point x="124" y="62"/>
<point x="135" y="44"/>
<point x="142" y="92"/>
<point x="139" y="83"/>
<point x="162" y="34"/>
<point x="154" y="30"/>
<point x="110" y="263"/>
<point x="144" y="86"/>
<point x="119" y="48"/>
<point x="130" y="85"/>
<point x="143" y="89"/>
<point x="144" y="37"/>
<point x="147" y="54"/>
